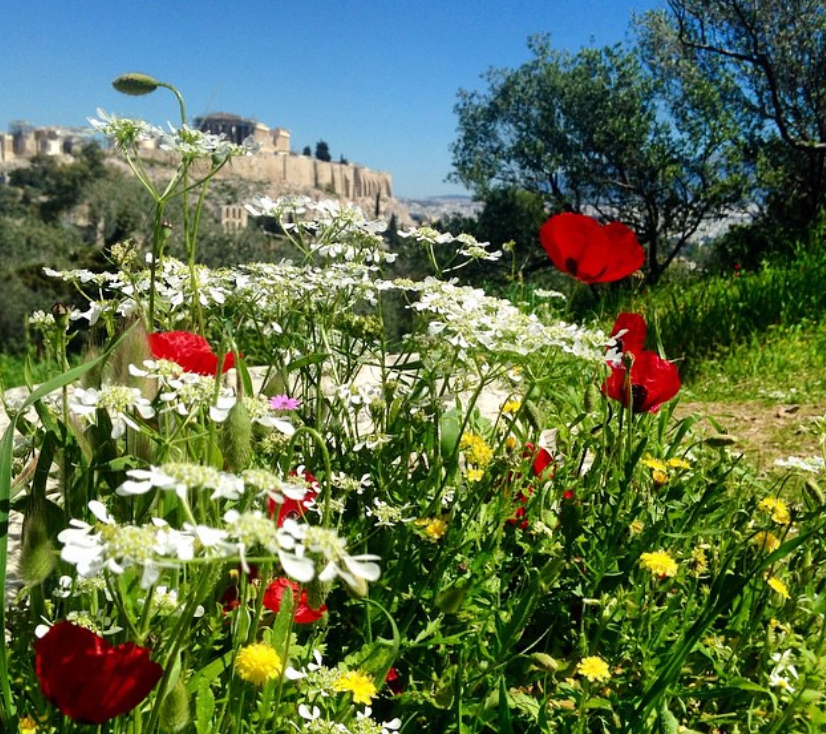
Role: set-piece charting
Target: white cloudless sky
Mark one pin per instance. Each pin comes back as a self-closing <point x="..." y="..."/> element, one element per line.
<point x="376" y="79"/>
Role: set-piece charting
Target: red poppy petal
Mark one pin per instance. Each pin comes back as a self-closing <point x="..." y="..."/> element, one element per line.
<point x="635" y="330"/>
<point x="189" y="351"/>
<point x="580" y="246"/>
<point x="87" y="678"/>
<point x="658" y="376"/>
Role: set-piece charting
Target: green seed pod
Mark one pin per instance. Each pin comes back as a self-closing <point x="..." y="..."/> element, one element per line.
<point x="236" y="438"/>
<point x="38" y="556"/>
<point x="175" y="709"/>
<point x="449" y="430"/>
<point x="591" y="397"/>
<point x="38" y="559"/>
<point x="533" y="415"/>
<point x="317" y="592"/>
<point x="135" y="84"/>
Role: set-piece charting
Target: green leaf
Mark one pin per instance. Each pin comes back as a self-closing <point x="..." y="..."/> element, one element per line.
<point x="204" y="707"/>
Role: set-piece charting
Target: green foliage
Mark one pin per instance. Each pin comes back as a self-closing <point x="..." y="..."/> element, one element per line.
<point x="28" y="245"/>
<point x="521" y="552"/>
<point x="768" y="61"/>
<point x="705" y="316"/>
<point x="587" y="130"/>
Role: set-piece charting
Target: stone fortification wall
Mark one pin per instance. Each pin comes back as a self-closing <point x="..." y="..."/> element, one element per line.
<point x="298" y="172"/>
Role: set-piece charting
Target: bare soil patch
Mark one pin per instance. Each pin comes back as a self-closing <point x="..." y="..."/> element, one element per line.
<point x="764" y="432"/>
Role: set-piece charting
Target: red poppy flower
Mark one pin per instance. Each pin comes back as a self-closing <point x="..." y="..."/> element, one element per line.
<point x="87" y="678"/>
<point x="393" y="681"/>
<point x="295" y="508"/>
<point x="634" y="337"/>
<point x="592" y="253"/>
<point x="542" y="460"/>
<point x="542" y="467"/>
<point x="189" y="351"/>
<point x="304" y="613"/>
<point x="654" y="380"/>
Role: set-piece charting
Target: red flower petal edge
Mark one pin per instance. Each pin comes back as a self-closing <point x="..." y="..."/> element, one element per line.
<point x="304" y="613"/>
<point x="580" y="246"/>
<point x="191" y="352"/>
<point x="89" y="679"/>
<point x="291" y="507"/>
<point x="635" y="330"/>
<point x="654" y="381"/>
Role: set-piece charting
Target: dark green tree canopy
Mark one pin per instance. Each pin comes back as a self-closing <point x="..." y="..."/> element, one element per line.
<point x="322" y="151"/>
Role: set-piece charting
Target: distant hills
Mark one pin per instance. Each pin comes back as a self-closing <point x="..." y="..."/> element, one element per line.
<point x="431" y="208"/>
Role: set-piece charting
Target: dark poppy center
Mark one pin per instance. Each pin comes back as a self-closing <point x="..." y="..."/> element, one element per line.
<point x="571" y="266"/>
<point x="639" y="394"/>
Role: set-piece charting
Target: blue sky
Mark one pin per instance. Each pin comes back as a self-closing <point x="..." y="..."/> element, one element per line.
<point x="376" y="79"/>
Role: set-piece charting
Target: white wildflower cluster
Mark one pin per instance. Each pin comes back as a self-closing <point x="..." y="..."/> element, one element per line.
<point x="181" y="478"/>
<point x="119" y="401"/>
<point x="189" y="143"/>
<point x="123" y="131"/>
<point x="184" y="478"/>
<point x="192" y="144"/>
<point x="303" y="552"/>
<point x="783" y="674"/>
<point x="469" y="319"/>
<point x="467" y="245"/>
<point x="185" y="393"/>
<point x="387" y="515"/>
<point x="339" y="232"/>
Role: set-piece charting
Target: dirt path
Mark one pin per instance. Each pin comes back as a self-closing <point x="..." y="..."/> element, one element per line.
<point x="765" y="432"/>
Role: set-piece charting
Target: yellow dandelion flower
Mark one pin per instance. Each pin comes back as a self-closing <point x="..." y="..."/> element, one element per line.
<point x="660" y="563"/>
<point x="258" y="663"/>
<point x="27" y="725"/>
<point x="766" y="541"/>
<point x="477" y="451"/>
<point x="511" y="407"/>
<point x="594" y="668"/>
<point x="654" y="464"/>
<point x="474" y="475"/>
<point x="359" y="684"/>
<point x="434" y="527"/>
<point x="510" y="443"/>
<point x="776" y="508"/>
<point x="659" y="476"/>
<point x="636" y="527"/>
<point x="778" y="585"/>
<point x="677" y="463"/>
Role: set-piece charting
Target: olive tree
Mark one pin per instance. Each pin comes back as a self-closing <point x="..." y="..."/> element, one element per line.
<point x="591" y="132"/>
<point x="770" y="58"/>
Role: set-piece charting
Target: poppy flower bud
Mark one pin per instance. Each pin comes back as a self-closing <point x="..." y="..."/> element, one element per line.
<point x="317" y="592"/>
<point x="135" y="84"/>
<point x="236" y="438"/>
<point x="175" y="709"/>
<point x="545" y="662"/>
<point x="591" y="398"/>
<point x="37" y="553"/>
